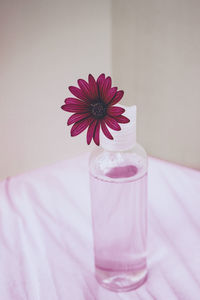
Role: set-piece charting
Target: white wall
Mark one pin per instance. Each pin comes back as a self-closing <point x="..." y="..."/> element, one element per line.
<point x="45" y="46"/>
<point x="156" y="58"/>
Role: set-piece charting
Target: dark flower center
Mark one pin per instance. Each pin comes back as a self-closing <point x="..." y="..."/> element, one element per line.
<point x="98" y="110"/>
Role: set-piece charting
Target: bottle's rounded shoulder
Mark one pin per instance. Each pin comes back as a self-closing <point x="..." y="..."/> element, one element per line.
<point x="118" y="164"/>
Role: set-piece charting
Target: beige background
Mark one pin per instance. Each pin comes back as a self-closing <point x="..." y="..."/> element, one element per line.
<point x="156" y="58"/>
<point x="46" y="45"/>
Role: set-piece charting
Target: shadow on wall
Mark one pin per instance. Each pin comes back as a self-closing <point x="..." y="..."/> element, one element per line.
<point x="157" y="61"/>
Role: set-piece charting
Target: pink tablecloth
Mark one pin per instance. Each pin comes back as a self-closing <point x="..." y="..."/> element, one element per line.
<point x="46" y="248"/>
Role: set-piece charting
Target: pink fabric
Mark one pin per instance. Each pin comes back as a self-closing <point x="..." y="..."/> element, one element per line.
<point x="46" y="250"/>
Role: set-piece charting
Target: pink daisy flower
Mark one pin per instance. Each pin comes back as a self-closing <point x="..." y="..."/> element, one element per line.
<point x="94" y="108"/>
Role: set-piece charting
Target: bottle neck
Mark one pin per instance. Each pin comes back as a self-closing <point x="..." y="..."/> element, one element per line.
<point x="121" y="146"/>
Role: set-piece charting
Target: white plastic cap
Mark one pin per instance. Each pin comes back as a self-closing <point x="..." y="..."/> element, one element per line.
<point x="124" y="139"/>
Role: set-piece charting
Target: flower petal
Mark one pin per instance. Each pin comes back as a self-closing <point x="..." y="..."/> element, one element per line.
<point x="122" y="119"/>
<point x="74" y="108"/>
<point x="101" y="79"/>
<point x="85" y="88"/>
<point x="96" y="133"/>
<point x="77" y="117"/>
<point x="78" y="127"/>
<point x="93" y="87"/>
<point x="77" y="93"/>
<point x="90" y="131"/>
<point x="117" y="97"/>
<point x="105" y="130"/>
<point x="110" y="95"/>
<point x="115" y="111"/>
<point x="112" y="123"/>
<point x="75" y="105"/>
<point x="106" y="88"/>
<point x="100" y="82"/>
<point x="76" y="102"/>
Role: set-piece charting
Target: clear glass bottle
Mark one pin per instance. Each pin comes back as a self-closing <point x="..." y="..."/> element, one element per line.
<point x="118" y="186"/>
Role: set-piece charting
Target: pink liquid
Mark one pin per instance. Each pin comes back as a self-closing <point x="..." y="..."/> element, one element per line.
<point x="119" y="228"/>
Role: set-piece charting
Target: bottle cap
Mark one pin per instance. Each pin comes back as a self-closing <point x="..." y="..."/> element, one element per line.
<point x="124" y="139"/>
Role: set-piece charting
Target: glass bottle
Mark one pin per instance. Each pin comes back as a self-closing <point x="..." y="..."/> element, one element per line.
<point x="118" y="187"/>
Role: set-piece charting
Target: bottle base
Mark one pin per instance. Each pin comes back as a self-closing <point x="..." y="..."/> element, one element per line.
<point x="121" y="281"/>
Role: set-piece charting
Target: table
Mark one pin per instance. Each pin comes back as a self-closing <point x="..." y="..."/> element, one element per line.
<point x="46" y="247"/>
